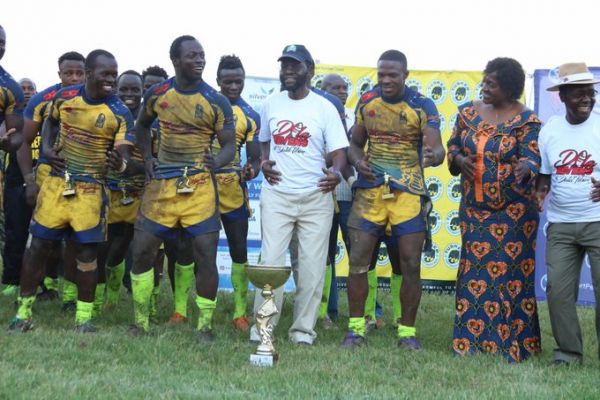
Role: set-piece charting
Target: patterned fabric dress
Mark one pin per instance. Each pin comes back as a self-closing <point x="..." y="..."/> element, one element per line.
<point x="496" y="310"/>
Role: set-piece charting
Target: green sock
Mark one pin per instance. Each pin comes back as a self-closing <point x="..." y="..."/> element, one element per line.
<point x="357" y="325"/>
<point x="406" y="331"/>
<point x="207" y="308"/>
<point x="84" y="312"/>
<point x="184" y="277"/>
<point x="372" y="296"/>
<point x="50" y="283"/>
<point x="141" y="286"/>
<point x="25" y="307"/>
<point x="99" y="299"/>
<point x="326" y="292"/>
<point x="154" y="302"/>
<point x="114" y="277"/>
<point x="239" y="281"/>
<point x="69" y="291"/>
<point x="395" y="283"/>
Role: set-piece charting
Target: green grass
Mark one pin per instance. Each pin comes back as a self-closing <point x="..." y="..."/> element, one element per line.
<point x="53" y="362"/>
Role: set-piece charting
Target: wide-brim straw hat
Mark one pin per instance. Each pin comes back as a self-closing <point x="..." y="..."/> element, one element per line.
<point x="573" y="74"/>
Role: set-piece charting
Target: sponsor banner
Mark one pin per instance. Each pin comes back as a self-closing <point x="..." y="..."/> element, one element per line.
<point x="548" y="104"/>
<point x="448" y="90"/>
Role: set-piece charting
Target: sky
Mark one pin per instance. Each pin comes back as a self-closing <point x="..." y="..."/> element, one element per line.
<point x="435" y="35"/>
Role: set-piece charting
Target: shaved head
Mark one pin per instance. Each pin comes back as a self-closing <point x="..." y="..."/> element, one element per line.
<point x="336" y="85"/>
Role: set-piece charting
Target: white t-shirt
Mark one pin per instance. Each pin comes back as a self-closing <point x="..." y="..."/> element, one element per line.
<point x="301" y="133"/>
<point x="571" y="154"/>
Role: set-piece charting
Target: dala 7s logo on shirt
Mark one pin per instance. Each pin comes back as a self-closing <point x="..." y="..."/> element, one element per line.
<point x="291" y="136"/>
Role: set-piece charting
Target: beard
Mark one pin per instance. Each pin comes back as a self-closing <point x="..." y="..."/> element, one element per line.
<point x="300" y="82"/>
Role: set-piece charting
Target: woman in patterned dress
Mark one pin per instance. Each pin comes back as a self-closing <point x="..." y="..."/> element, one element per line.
<point x="494" y="148"/>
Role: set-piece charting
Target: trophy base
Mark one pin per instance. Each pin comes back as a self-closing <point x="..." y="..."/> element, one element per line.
<point x="261" y="360"/>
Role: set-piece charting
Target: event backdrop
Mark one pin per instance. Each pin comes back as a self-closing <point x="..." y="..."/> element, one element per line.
<point x="548" y="104"/>
<point x="448" y="90"/>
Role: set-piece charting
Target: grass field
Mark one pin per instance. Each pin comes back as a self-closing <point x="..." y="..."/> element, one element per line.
<point x="53" y="362"/>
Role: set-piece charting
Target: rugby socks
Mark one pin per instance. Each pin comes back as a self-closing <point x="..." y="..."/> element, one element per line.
<point x="51" y="283"/>
<point x="114" y="277"/>
<point x="239" y="281"/>
<point x="406" y="331"/>
<point x="141" y="287"/>
<point x="84" y="312"/>
<point x="154" y="303"/>
<point x="69" y="292"/>
<point x="206" y="308"/>
<point x="395" y="283"/>
<point x="372" y="296"/>
<point x="25" y="306"/>
<point x="98" y="299"/>
<point x="326" y="292"/>
<point x="357" y="325"/>
<point x="184" y="277"/>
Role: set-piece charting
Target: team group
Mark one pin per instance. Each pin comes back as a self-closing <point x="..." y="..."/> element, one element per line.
<point x="104" y="184"/>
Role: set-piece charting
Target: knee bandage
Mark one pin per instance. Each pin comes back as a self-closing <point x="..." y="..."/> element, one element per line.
<point x="87" y="266"/>
<point x="358" y="269"/>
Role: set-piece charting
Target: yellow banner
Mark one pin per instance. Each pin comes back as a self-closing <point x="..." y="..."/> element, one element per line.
<point x="448" y="90"/>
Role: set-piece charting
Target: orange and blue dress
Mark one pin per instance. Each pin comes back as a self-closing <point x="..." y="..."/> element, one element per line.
<point x="496" y="309"/>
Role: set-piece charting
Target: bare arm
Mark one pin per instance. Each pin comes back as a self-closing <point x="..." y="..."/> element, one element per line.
<point x="143" y="141"/>
<point x="49" y="132"/>
<point x="542" y="187"/>
<point x="30" y="131"/>
<point x="357" y="155"/>
<point x="433" y="150"/>
<point x="226" y="138"/>
<point x="13" y="138"/>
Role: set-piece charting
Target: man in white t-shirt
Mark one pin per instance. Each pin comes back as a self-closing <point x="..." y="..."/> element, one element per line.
<point x="298" y="130"/>
<point x="570" y="151"/>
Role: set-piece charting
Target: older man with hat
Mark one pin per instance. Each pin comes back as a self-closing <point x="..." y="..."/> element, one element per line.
<point x="299" y="130"/>
<point x="570" y="171"/>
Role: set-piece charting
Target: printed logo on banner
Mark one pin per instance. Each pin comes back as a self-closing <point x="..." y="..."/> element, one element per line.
<point x="414" y="85"/>
<point x="442" y="123"/>
<point x="317" y="80"/>
<point x="435" y="187"/>
<point x="453" y="189"/>
<point x="452" y="121"/>
<point x="382" y="256"/>
<point x="435" y="222"/>
<point x="477" y="95"/>
<point x="436" y="91"/>
<point x="364" y="84"/>
<point x="340" y="252"/>
<point x="348" y="84"/>
<point x="460" y="92"/>
<point x="453" y="223"/>
<point x="430" y="258"/>
<point x="452" y="255"/>
<point x="544" y="282"/>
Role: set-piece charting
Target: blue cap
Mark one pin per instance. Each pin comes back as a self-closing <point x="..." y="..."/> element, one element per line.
<point x="297" y="52"/>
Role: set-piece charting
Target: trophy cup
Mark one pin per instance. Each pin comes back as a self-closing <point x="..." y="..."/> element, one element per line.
<point x="387" y="193"/>
<point x="125" y="198"/>
<point x="69" y="186"/>
<point x="267" y="277"/>
<point x="183" y="183"/>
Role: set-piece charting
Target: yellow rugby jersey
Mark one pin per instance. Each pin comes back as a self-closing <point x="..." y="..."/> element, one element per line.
<point x="37" y="110"/>
<point x="88" y="129"/>
<point x="247" y="124"/>
<point x="132" y="183"/>
<point x="12" y="100"/>
<point x="187" y="122"/>
<point x="395" y="137"/>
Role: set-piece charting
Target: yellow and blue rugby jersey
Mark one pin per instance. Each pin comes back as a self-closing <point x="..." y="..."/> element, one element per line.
<point x="187" y="122"/>
<point x="247" y="124"/>
<point x="89" y="128"/>
<point x="37" y="110"/>
<point x="12" y="100"/>
<point x="395" y="137"/>
<point x="132" y="182"/>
